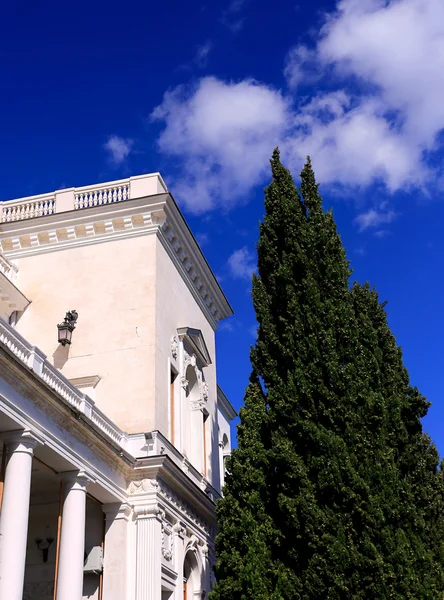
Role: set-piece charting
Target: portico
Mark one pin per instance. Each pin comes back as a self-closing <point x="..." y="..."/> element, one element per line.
<point x="42" y="525"/>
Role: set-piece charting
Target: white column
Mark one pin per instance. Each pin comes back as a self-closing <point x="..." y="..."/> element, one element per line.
<point x="72" y="538"/>
<point x="15" y="512"/>
<point x="116" y="551"/>
<point x="148" y="553"/>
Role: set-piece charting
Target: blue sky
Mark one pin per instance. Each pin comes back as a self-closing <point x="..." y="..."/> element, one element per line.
<point x="203" y="92"/>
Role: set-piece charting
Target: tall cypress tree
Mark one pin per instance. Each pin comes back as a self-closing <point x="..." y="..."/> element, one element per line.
<point x="334" y="491"/>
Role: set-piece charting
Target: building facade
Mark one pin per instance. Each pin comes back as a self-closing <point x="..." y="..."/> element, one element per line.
<point x="112" y="445"/>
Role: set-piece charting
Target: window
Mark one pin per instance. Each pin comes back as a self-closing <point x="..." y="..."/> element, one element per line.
<point x="173" y="376"/>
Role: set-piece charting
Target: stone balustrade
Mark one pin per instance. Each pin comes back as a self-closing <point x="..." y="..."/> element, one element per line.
<point x="102" y="194"/>
<point x="81" y="198"/>
<point x="28" y="208"/>
<point x="34" y="359"/>
<point x="157" y="444"/>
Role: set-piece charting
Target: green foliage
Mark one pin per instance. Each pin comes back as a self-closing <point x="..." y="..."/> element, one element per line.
<point x="334" y="491"/>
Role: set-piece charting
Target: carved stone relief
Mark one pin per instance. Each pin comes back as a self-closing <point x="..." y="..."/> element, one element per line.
<point x="142" y="486"/>
<point x="184" y="508"/>
<point x="190" y="361"/>
<point x="174" y="347"/>
<point x="167" y="541"/>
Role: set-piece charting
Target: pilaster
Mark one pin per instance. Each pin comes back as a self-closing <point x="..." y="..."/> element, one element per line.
<point x="148" y="552"/>
<point x="179" y="533"/>
<point x="115" y="566"/>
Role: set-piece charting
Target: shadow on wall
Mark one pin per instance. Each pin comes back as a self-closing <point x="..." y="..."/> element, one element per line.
<point x="60" y="356"/>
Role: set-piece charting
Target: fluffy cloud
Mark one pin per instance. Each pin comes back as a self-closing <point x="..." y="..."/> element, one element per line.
<point x="118" y="148"/>
<point x="377" y="119"/>
<point x="223" y="132"/>
<point x="375" y="217"/>
<point x="392" y="52"/>
<point x="241" y="264"/>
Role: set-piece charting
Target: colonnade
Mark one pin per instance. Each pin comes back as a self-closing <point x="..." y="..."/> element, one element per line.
<point x="15" y="516"/>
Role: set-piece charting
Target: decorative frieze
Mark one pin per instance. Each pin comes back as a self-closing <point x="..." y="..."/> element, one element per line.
<point x="194" y="268"/>
<point x="142" y="486"/>
<point x="187" y="512"/>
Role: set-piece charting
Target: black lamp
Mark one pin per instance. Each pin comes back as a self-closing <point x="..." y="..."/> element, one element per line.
<point x="43" y="546"/>
<point x="67" y="327"/>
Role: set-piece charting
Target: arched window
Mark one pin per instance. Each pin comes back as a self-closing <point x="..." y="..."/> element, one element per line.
<point x="191" y="576"/>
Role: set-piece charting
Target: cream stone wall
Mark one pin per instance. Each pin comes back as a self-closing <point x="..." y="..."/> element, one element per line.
<point x="176" y="307"/>
<point x="112" y="286"/>
<point x="131" y="300"/>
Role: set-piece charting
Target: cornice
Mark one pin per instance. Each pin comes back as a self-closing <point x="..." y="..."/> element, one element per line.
<point x="164" y="469"/>
<point x="191" y="263"/>
<point x="225" y="405"/>
<point x="58" y="231"/>
<point x="156" y="214"/>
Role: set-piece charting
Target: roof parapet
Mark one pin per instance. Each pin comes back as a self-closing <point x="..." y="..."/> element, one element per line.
<point x="83" y="197"/>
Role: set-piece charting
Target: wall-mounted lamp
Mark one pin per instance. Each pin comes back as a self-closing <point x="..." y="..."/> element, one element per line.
<point x="67" y="327"/>
<point x="43" y="546"/>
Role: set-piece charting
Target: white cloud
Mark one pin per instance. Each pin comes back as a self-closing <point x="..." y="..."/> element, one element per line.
<point x="202" y="54"/>
<point x="118" y="148"/>
<point x="296" y="64"/>
<point x="231" y="17"/>
<point x="378" y="122"/>
<point x="375" y="217"/>
<point x="242" y="263"/>
<point x="394" y="51"/>
<point x="224" y="132"/>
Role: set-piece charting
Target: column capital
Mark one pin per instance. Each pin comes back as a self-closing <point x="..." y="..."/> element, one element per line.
<point x="150" y="511"/>
<point x="77" y="480"/>
<point x="21" y="440"/>
<point x="116" y="511"/>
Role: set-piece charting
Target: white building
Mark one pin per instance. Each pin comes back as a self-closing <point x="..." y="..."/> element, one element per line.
<point x="113" y="445"/>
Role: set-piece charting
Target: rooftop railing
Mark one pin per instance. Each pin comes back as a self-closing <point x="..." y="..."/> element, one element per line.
<point x="81" y="198"/>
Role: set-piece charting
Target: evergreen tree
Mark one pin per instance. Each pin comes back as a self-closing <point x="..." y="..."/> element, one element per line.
<point x="334" y="490"/>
